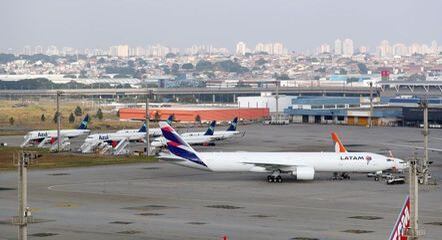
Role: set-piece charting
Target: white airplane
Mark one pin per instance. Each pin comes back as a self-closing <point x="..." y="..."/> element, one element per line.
<point x="206" y="139"/>
<point x="113" y="139"/>
<point x="302" y="164"/>
<point x="153" y="132"/>
<point x="41" y="137"/>
<point x="219" y="135"/>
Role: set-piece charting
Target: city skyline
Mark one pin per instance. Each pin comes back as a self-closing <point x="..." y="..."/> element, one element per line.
<point x="300" y="26"/>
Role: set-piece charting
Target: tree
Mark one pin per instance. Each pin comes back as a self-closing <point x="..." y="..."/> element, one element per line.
<point x="198" y="119"/>
<point x="175" y="68"/>
<point x="11" y="120"/>
<point x="118" y="113"/>
<point x="78" y="112"/>
<point x="156" y="116"/>
<point x="55" y="116"/>
<point x="71" y="118"/>
<point x="99" y="114"/>
<point x="43" y="117"/>
<point x="187" y="66"/>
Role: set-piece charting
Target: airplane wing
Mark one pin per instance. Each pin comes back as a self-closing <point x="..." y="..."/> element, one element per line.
<point x="274" y="166"/>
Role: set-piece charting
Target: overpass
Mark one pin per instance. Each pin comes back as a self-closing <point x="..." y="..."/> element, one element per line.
<point x="204" y="94"/>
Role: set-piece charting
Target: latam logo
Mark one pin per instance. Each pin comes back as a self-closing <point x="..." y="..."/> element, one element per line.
<point x="42" y="134"/>
<point x="368" y="158"/>
<point x="402" y="223"/>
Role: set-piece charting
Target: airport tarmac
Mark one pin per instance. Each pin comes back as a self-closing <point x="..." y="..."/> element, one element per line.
<point x="164" y="201"/>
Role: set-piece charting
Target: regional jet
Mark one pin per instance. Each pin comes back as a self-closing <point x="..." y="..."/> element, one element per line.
<point x="115" y="140"/>
<point x="219" y="135"/>
<point x="205" y="139"/>
<point x="153" y="132"/>
<point x="303" y="165"/>
<point x="40" y="138"/>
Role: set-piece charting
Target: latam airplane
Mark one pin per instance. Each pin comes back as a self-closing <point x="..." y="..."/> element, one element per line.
<point x="153" y="132"/>
<point x="41" y="137"/>
<point x="219" y="135"/>
<point x="303" y="165"/>
<point x="112" y="139"/>
<point x="207" y="138"/>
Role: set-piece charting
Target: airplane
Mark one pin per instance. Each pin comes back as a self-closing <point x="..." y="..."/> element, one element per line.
<point x="303" y="165"/>
<point x="219" y="135"/>
<point x="42" y="137"/>
<point x="113" y="139"/>
<point x="153" y="132"/>
<point x="206" y="139"/>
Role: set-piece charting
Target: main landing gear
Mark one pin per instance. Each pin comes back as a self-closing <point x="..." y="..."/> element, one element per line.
<point x="274" y="178"/>
<point x="342" y="176"/>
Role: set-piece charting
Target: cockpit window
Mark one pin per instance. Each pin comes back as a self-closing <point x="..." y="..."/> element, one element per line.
<point x="389" y="160"/>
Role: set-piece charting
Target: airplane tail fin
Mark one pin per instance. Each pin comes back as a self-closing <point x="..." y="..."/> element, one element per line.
<point x="177" y="146"/>
<point x="170" y="119"/>
<point x="233" y="124"/>
<point x="211" y="129"/>
<point x="143" y="128"/>
<point x="339" y="147"/>
<point x="84" y="123"/>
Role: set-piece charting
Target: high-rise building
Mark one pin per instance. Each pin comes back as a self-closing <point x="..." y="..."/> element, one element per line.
<point x="347" y="48"/>
<point x="324" y="48"/>
<point x="122" y="51"/>
<point x="27" y="50"/>
<point x="385" y="50"/>
<point x="399" y="49"/>
<point x="241" y="48"/>
<point x="259" y="47"/>
<point x="52" y="50"/>
<point x="338" y="47"/>
<point x="38" y="50"/>
<point x="363" y="49"/>
<point x="434" y="47"/>
<point x="278" y="48"/>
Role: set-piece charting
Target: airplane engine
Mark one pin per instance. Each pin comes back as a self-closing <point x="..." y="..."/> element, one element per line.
<point x="304" y="173"/>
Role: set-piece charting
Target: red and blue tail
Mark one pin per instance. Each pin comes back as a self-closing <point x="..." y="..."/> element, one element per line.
<point x="177" y="146"/>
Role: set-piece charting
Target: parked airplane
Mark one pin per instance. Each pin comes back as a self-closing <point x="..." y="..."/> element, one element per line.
<point x="219" y="135"/>
<point x="153" y="132"/>
<point x="205" y="139"/>
<point x="302" y="164"/>
<point x="115" y="140"/>
<point x="42" y="137"/>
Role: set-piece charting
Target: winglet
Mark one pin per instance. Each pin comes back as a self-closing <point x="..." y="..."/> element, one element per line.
<point x="211" y="129"/>
<point x="233" y="124"/>
<point x="84" y="123"/>
<point x="177" y="146"/>
<point x="339" y="147"/>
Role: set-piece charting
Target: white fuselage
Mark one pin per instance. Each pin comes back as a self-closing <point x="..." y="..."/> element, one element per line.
<point x="192" y="140"/>
<point x="153" y="132"/>
<point x="289" y="161"/>
<point x="219" y="135"/>
<point x="64" y="133"/>
<point x="136" y="136"/>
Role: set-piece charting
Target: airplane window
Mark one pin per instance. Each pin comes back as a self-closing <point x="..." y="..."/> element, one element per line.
<point x="389" y="160"/>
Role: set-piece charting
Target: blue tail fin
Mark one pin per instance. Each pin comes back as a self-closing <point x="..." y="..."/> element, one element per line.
<point x="170" y="119"/>
<point x="233" y="124"/>
<point x="143" y="128"/>
<point x="84" y="123"/>
<point x="211" y="129"/>
<point x="177" y="146"/>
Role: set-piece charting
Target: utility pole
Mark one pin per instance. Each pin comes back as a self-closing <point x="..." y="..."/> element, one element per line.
<point x="277" y="101"/>
<point x="23" y="160"/>
<point x="370" y="118"/>
<point x="424" y="166"/>
<point x="147" y="123"/>
<point x="414" y="232"/>
<point x="58" y="121"/>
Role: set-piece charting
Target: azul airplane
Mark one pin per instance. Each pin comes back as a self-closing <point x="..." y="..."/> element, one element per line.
<point x="219" y="135"/>
<point x="303" y="165"/>
<point x="153" y="132"/>
<point x="113" y="138"/>
<point x="205" y="139"/>
<point x="40" y="137"/>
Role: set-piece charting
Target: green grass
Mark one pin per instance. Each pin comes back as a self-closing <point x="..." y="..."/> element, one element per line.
<point x="49" y="160"/>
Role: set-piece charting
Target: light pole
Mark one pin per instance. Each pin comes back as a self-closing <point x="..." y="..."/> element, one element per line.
<point x="147" y="153"/>
<point x="58" y="121"/>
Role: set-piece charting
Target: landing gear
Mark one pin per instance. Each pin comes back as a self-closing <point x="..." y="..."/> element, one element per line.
<point x="342" y="176"/>
<point x="273" y="179"/>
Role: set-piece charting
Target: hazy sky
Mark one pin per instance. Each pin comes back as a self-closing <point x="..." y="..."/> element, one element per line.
<point x="299" y="24"/>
